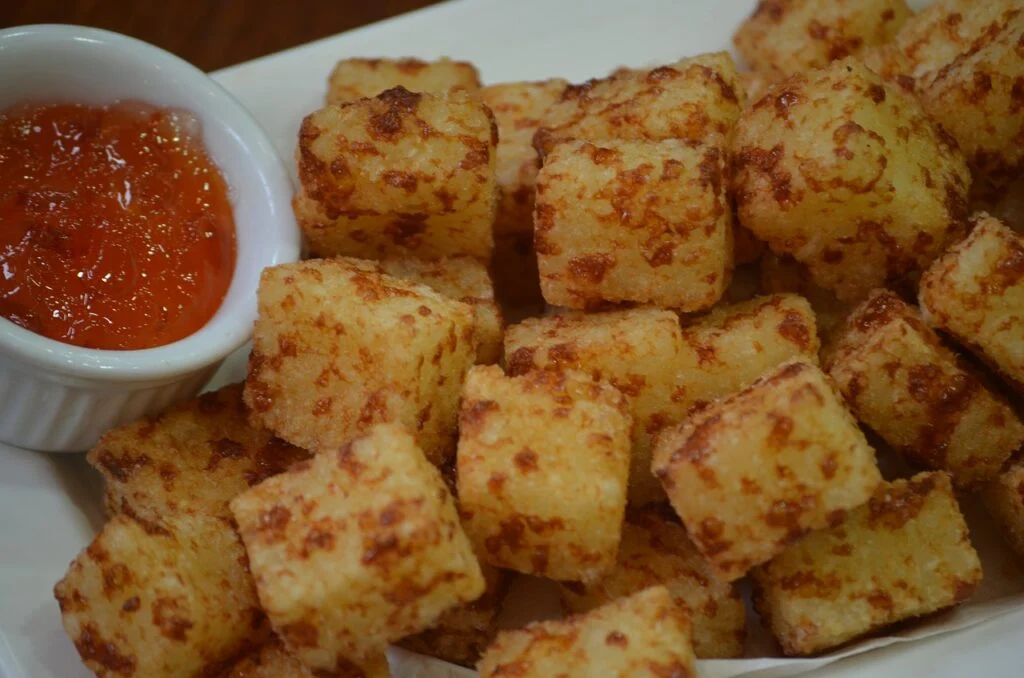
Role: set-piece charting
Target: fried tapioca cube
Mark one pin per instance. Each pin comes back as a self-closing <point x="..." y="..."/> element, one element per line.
<point x="979" y="99"/>
<point x="402" y="173"/>
<point x="634" y="221"/>
<point x="272" y="660"/>
<point x="339" y="347"/>
<point x="1004" y="500"/>
<point x="543" y="466"/>
<point x="946" y="29"/>
<point x="782" y="37"/>
<point x="193" y="458"/>
<point x="644" y="636"/>
<point x="637" y="351"/>
<point x="462" y="633"/>
<point x="656" y="551"/>
<point x="912" y="391"/>
<point x="465" y="279"/>
<point x="168" y="599"/>
<point x="353" y="79"/>
<point x="694" y="99"/>
<point x="356" y="548"/>
<point x="786" y="446"/>
<point x="975" y="291"/>
<point x="846" y="174"/>
<point x="905" y="554"/>
<point x="731" y="347"/>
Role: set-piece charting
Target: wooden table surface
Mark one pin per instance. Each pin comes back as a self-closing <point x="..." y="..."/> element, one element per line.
<point x="211" y="33"/>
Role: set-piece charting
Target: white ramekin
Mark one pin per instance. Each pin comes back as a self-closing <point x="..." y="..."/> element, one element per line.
<point x="57" y="397"/>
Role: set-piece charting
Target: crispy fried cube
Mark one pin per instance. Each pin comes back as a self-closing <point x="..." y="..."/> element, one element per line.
<point x="979" y="99"/>
<point x="339" y="347"/>
<point x="976" y="293"/>
<point x="905" y="554"/>
<point x="160" y="599"/>
<point x="463" y="278"/>
<point x="656" y="551"/>
<point x="638" y="221"/>
<point x="693" y="99"/>
<point x="356" y="548"/>
<point x="786" y="446"/>
<point x="1004" y="499"/>
<point x="783" y="37"/>
<point x="401" y="173"/>
<point x="644" y="636"/>
<point x="946" y="29"/>
<point x="847" y="175"/>
<point x="734" y="345"/>
<point x="462" y="633"/>
<point x="354" y="79"/>
<point x="912" y="391"/>
<point x="637" y="351"/>
<point x="192" y="458"/>
<point x="543" y="465"/>
<point x="271" y="660"/>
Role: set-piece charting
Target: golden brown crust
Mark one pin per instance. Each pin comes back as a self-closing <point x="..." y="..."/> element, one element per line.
<point x="339" y="347"/>
<point x="402" y="173"/>
<point x="936" y="36"/>
<point x="465" y="279"/>
<point x="902" y="382"/>
<point x="354" y="79"/>
<point x="731" y="347"/>
<point x="847" y="175"/>
<point x="692" y="99"/>
<point x="979" y="99"/>
<point x="976" y="292"/>
<point x="637" y="351"/>
<point x="192" y="458"/>
<point x="782" y="37"/>
<point x="634" y="221"/>
<point x="906" y="553"/>
<point x="542" y="465"/>
<point x="646" y="635"/>
<point x="356" y="548"/>
<point x="790" y="447"/>
<point x="160" y="600"/>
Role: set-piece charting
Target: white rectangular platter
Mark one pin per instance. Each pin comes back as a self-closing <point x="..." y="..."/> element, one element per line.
<point x="49" y="505"/>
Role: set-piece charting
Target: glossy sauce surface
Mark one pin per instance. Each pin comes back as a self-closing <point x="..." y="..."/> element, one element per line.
<point x="116" y="230"/>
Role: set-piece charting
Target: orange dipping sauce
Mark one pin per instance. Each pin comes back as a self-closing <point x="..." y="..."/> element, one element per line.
<point x="116" y="231"/>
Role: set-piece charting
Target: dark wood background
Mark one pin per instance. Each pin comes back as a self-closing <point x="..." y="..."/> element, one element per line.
<point x="211" y="33"/>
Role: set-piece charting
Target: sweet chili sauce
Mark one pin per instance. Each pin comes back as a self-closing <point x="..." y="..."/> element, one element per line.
<point x="116" y="231"/>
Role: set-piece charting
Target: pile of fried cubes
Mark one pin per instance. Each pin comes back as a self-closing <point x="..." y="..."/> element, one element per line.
<point x="645" y="336"/>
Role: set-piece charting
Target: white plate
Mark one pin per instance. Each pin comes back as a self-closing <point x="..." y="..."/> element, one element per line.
<point x="49" y="506"/>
